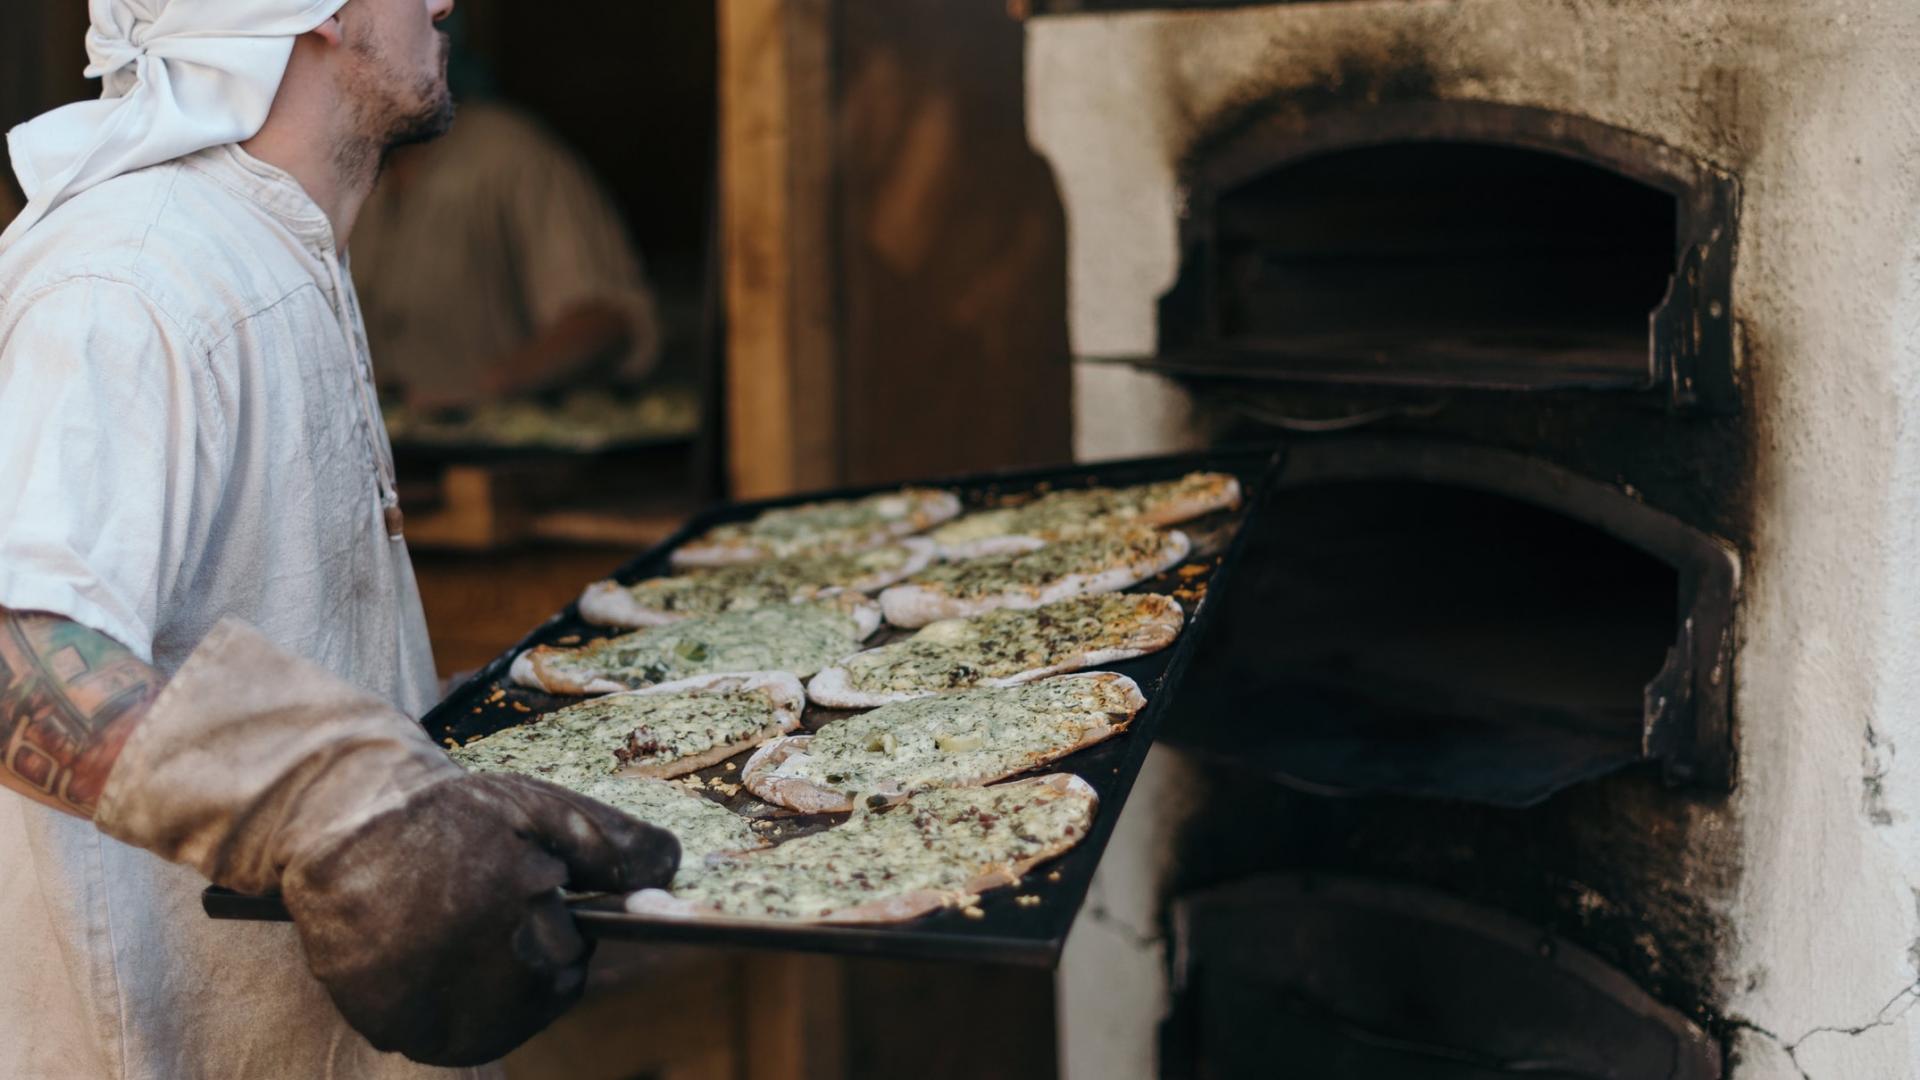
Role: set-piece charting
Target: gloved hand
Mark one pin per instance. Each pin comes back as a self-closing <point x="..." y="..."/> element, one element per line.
<point x="427" y="898"/>
<point x="439" y="928"/>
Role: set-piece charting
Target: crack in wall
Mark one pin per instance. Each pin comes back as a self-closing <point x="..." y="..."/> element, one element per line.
<point x="1876" y="763"/>
<point x="1886" y="1016"/>
<point x="1133" y="935"/>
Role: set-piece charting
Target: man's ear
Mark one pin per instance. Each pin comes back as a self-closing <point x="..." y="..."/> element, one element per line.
<point x="330" y="31"/>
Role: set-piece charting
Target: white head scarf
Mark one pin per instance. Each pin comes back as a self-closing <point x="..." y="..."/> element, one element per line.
<point x="179" y="76"/>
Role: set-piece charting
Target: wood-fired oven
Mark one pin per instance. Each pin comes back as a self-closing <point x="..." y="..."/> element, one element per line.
<point x="1551" y="727"/>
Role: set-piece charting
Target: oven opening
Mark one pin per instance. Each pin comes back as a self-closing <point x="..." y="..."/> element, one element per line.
<point x="1432" y="640"/>
<point x="1376" y="980"/>
<point x="1468" y="264"/>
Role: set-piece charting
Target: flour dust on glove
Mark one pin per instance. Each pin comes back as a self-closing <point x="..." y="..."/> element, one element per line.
<point x="428" y="899"/>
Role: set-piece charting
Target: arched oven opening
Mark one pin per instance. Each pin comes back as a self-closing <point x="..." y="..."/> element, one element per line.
<point x="1341" y="976"/>
<point x="1405" y="261"/>
<point x="1431" y="620"/>
<point x="1459" y="245"/>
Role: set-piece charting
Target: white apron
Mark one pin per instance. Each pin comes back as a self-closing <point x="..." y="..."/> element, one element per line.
<point x="183" y="437"/>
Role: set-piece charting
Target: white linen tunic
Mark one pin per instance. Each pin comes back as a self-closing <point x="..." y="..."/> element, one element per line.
<point x="182" y="437"/>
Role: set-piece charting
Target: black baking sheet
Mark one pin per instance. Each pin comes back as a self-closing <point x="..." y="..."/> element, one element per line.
<point x="1001" y="929"/>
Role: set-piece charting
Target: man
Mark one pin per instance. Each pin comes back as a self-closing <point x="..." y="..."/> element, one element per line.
<point x="188" y="434"/>
<point x="493" y="266"/>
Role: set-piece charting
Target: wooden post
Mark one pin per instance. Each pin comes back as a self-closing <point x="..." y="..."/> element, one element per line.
<point x="776" y="170"/>
<point x="783" y="392"/>
<point x="797" y="1029"/>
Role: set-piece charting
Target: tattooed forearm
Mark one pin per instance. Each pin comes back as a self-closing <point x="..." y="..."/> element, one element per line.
<point x="69" y="697"/>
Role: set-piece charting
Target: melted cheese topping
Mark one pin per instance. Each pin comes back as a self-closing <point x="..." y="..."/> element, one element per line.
<point x="596" y="737"/>
<point x="799" y="638"/>
<point x="1063" y="513"/>
<point x="959" y="739"/>
<point x="702" y="826"/>
<point x="959" y="653"/>
<point x="1032" y="571"/>
<point x="778" y="581"/>
<point x="561" y="748"/>
<point x="578" y="754"/>
<point x="840" y="525"/>
<point x="693" y="725"/>
<point x="942" y="841"/>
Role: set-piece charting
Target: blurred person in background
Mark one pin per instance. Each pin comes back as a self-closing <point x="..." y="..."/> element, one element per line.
<point x="492" y="264"/>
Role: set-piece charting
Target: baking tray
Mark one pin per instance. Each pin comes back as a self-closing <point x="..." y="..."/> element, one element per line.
<point x="999" y="929"/>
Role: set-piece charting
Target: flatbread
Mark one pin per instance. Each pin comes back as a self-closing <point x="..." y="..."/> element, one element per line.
<point x="1002" y="648"/>
<point x="822" y="528"/>
<point x="1100" y="562"/>
<point x="888" y="864"/>
<point x="660" y="732"/>
<point x="703" y="827"/>
<point x="707" y="727"/>
<point x="664" y="600"/>
<point x="799" y="639"/>
<point x="1062" y="514"/>
<point x="968" y="739"/>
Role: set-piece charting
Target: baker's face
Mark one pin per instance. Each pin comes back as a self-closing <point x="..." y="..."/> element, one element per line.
<point x="396" y="69"/>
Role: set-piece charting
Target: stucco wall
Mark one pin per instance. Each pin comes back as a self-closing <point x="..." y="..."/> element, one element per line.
<point x="1816" y="106"/>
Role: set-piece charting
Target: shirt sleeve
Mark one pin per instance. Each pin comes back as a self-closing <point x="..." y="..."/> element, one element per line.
<point x="575" y="247"/>
<point x="109" y="438"/>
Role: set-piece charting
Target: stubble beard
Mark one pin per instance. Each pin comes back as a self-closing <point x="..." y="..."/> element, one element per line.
<point x="385" y="121"/>
<point x="434" y="117"/>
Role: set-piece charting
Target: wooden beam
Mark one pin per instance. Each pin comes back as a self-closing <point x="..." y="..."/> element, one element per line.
<point x="797" y="1008"/>
<point x="776" y="169"/>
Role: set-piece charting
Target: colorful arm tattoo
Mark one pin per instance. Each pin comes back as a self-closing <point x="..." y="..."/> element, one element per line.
<point x="69" y="697"/>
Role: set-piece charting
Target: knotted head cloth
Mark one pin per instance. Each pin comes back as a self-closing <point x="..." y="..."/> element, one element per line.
<point x="178" y="76"/>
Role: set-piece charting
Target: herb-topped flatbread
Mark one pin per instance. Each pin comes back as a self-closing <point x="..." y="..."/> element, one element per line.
<point x="660" y="732"/>
<point x="1100" y="562"/>
<point x="1063" y="514"/>
<point x="796" y="638"/>
<point x="968" y="739"/>
<point x="660" y="601"/>
<point x="701" y="825"/>
<point x="822" y="528"/>
<point x="1002" y="648"/>
<point x="890" y="864"/>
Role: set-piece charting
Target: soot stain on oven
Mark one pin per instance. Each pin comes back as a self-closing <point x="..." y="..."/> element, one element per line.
<point x="1640" y="873"/>
<point x="1399" y="70"/>
<point x="1645" y="890"/>
<point x="1637" y="872"/>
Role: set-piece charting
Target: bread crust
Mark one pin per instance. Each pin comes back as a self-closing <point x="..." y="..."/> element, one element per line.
<point x="935" y="508"/>
<point x="808" y="797"/>
<point x="833" y="687"/>
<point x="912" y="606"/>
<point x="911" y="905"/>
<point x="792" y="793"/>
<point x="609" y="603"/>
<point x="529" y="670"/>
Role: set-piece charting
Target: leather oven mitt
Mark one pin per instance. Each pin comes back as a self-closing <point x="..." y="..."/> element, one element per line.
<point x="427" y="898"/>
